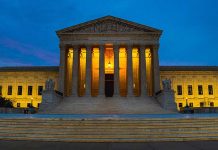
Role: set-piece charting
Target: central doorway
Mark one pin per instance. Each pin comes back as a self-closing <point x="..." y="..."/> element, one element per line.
<point x="109" y="85"/>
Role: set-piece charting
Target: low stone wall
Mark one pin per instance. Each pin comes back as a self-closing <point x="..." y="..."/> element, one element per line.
<point x="202" y="110"/>
<point x="4" y="110"/>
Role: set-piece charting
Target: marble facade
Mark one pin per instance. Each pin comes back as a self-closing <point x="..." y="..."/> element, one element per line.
<point x="104" y="34"/>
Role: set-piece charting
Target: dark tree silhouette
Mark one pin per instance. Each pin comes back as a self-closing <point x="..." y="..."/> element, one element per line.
<point x="5" y="103"/>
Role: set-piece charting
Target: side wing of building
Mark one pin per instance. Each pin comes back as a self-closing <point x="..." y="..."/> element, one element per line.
<point x="195" y="85"/>
<point x="24" y="85"/>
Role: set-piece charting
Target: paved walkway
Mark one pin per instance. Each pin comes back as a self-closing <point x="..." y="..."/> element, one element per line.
<point x="35" y="145"/>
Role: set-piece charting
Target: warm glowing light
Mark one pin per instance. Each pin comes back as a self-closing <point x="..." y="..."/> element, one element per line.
<point x="109" y="60"/>
<point x="70" y="53"/>
<point x="149" y="79"/>
<point x="109" y="64"/>
<point x="123" y="69"/>
<point x="135" y="66"/>
<point x="82" y="71"/>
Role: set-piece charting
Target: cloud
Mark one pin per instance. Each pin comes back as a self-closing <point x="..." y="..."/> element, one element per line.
<point x="23" y="48"/>
<point x="13" y="62"/>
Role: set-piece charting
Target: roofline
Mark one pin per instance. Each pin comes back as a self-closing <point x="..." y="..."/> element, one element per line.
<point x="101" y="18"/>
<point x="188" y="68"/>
<point x="29" y="68"/>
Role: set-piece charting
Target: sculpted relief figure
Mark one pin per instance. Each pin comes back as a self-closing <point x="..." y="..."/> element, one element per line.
<point x="107" y="26"/>
<point x="166" y="84"/>
<point x="49" y="85"/>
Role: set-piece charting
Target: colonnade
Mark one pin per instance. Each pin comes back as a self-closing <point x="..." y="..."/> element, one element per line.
<point x="101" y="92"/>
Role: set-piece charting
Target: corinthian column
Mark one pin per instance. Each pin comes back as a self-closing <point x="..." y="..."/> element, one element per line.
<point x="75" y="71"/>
<point x="129" y="72"/>
<point x="116" y="71"/>
<point x="88" y="70"/>
<point x="101" y="71"/>
<point x="143" y="71"/>
<point x="156" y="68"/>
<point x="62" y="66"/>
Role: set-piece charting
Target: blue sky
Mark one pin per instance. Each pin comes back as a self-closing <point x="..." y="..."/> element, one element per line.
<point x="28" y="38"/>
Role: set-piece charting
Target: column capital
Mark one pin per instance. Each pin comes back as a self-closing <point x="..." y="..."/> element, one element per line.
<point x="88" y="46"/>
<point x="116" y="47"/>
<point x="156" y="46"/>
<point x="75" y="47"/>
<point x="142" y="46"/>
<point x="62" y="46"/>
<point x="101" y="46"/>
<point x="129" y="46"/>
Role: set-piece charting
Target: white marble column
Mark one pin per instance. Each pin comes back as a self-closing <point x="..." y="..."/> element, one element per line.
<point x="116" y="71"/>
<point x="88" y="70"/>
<point x="62" y="76"/>
<point x="75" y="71"/>
<point x="156" y="68"/>
<point x="101" y="71"/>
<point x="143" y="71"/>
<point x="129" y="72"/>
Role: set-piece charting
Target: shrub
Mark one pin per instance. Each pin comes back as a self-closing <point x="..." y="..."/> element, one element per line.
<point x="5" y="102"/>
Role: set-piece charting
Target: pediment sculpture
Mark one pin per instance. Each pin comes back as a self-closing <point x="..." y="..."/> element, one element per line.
<point x="108" y="26"/>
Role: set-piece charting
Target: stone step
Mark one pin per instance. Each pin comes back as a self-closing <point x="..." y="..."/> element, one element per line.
<point x="88" y="137"/>
<point x="109" y="129"/>
<point x="105" y="123"/>
<point x="162" y="133"/>
<point x="112" y="140"/>
<point x="112" y="120"/>
<point x="109" y="125"/>
<point x="121" y="105"/>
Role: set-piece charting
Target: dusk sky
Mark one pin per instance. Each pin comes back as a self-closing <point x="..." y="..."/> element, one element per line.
<point x="28" y="38"/>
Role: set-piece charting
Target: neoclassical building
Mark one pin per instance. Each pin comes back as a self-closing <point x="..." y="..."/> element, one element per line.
<point x="110" y="57"/>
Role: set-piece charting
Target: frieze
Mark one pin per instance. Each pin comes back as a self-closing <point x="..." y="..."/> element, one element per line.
<point x="108" y="26"/>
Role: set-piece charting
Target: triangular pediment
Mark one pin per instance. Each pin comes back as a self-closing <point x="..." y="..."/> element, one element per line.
<point x="108" y="24"/>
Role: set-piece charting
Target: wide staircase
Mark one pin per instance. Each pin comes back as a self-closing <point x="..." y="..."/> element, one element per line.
<point x="107" y="105"/>
<point x="109" y="129"/>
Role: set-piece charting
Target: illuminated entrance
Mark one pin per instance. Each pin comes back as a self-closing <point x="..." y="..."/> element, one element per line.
<point x="109" y="71"/>
<point x="109" y="85"/>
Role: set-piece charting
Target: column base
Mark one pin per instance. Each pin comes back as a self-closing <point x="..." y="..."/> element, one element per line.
<point x="143" y="95"/>
<point x="101" y="96"/>
<point x="116" y="95"/>
<point x="87" y="95"/>
<point x="74" y="95"/>
<point x="131" y="95"/>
